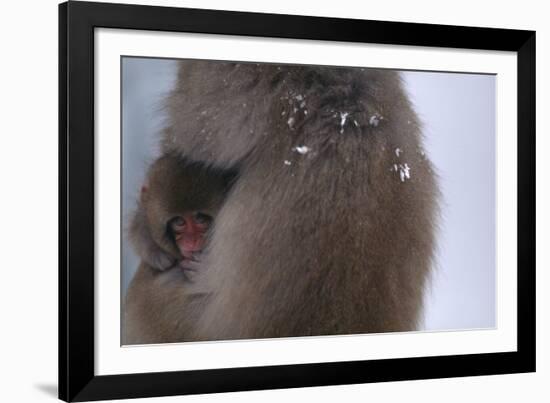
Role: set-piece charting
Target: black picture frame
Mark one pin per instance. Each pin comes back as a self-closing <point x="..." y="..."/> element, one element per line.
<point x="77" y="379"/>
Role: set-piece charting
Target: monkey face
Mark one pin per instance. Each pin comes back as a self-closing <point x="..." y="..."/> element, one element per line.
<point x="189" y="232"/>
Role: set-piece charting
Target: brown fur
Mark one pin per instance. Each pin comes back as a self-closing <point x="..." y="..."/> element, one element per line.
<point x="336" y="240"/>
<point x="156" y="302"/>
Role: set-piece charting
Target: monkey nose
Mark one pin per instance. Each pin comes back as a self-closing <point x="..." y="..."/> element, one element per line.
<point x="194" y="245"/>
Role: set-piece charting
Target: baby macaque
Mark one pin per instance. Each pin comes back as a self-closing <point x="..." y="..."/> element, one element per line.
<point x="177" y="206"/>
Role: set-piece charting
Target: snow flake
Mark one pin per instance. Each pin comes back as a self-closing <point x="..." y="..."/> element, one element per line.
<point x="301" y="149"/>
<point x="290" y="122"/>
<point x="343" y="118"/>
<point x="375" y="120"/>
<point x="404" y="171"/>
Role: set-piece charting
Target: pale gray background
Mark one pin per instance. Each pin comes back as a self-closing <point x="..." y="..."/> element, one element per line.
<point x="458" y="112"/>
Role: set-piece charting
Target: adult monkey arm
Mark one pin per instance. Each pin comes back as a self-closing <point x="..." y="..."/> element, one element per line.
<point x="161" y="307"/>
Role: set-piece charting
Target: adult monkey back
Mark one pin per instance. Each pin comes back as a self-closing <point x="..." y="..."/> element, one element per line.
<point x="329" y="227"/>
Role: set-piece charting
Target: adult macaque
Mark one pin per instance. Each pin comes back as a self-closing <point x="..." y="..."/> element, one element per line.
<point x="329" y="226"/>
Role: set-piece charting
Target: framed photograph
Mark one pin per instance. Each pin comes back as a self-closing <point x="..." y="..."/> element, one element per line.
<point x="256" y="201"/>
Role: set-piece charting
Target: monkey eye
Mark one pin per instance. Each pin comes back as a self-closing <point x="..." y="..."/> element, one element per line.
<point x="204" y="219"/>
<point x="176" y="223"/>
